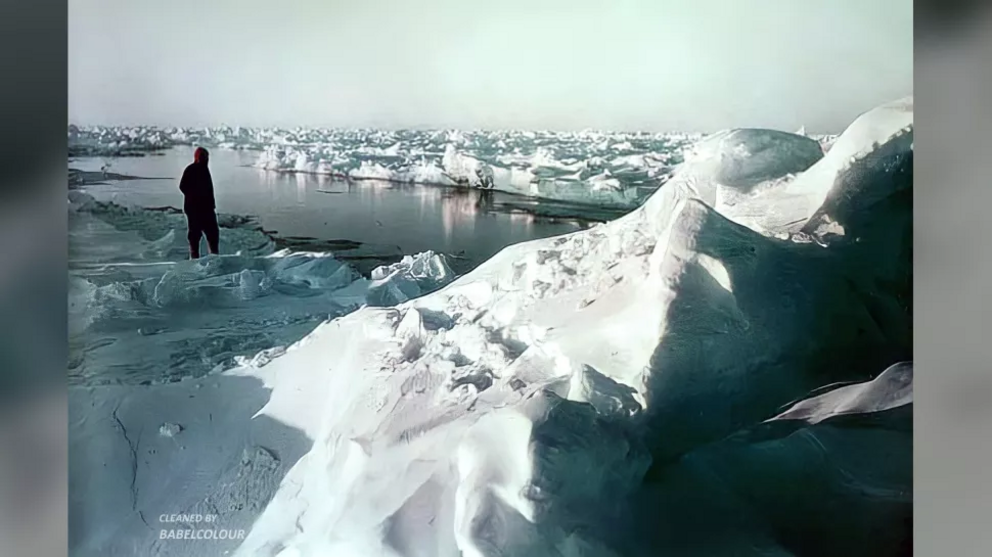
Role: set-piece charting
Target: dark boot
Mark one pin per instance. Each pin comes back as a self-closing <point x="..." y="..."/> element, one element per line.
<point x="212" y="232"/>
<point x="193" y="236"/>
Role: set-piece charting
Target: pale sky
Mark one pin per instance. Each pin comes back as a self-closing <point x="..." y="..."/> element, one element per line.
<point x="651" y="65"/>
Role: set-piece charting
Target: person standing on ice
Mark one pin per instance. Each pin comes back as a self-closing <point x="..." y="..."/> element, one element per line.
<point x="199" y="206"/>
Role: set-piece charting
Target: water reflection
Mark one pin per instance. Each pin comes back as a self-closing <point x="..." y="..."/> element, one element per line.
<point x="458" y="210"/>
<point x="428" y="202"/>
<point x="486" y="201"/>
<point x="400" y="218"/>
<point x="301" y="188"/>
<point x="523" y="220"/>
<point x="268" y="181"/>
<point x="375" y="189"/>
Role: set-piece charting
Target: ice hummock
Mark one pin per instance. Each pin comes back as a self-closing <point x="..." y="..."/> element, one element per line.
<point x="616" y="170"/>
<point x="675" y="381"/>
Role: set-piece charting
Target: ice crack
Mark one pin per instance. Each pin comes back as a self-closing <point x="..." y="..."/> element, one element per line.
<point x="134" y="464"/>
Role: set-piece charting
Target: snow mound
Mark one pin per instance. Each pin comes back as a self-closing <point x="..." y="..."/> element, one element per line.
<point x="742" y="158"/>
<point x="732" y="168"/>
<point x="607" y="392"/>
<point x="879" y="141"/>
<point x="497" y="457"/>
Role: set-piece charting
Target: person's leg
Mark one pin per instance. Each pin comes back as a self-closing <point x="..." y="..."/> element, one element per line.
<point x="193" y="233"/>
<point x="212" y="231"/>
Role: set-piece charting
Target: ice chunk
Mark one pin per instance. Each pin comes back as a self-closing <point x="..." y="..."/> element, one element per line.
<point x="463" y="169"/>
<point x="169" y="429"/>
<point x="303" y="163"/>
<point x="426" y="172"/>
<point x="371" y="171"/>
<point x="249" y="284"/>
<point x="892" y="389"/>
<point x="410" y="278"/>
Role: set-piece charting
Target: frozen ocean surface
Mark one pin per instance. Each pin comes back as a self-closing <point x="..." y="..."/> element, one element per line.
<point x="140" y="313"/>
<point x="724" y="370"/>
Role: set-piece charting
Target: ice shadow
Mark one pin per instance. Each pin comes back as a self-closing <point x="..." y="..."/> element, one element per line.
<point x="790" y="322"/>
<point x="840" y="487"/>
<point x="788" y="317"/>
<point x="126" y="472"/>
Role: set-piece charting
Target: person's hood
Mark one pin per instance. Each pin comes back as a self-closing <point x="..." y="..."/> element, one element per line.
<point x="201" y="155"/>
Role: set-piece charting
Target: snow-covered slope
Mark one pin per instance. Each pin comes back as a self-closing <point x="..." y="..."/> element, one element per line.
<point x="616" y="391"/>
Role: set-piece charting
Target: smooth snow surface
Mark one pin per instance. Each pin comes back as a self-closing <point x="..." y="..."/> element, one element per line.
<point x="623" y="391"/>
